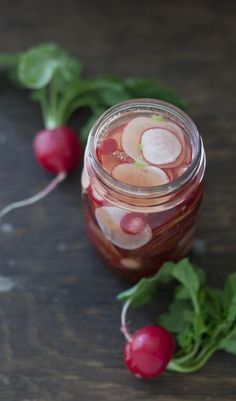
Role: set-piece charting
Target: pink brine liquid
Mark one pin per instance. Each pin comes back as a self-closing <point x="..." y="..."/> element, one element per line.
<point x="142" y="151"/>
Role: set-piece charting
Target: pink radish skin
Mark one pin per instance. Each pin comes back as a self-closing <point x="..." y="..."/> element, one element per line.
<point x="57" y="150"/>
<point x="148" y="351"/>
<point x="148" y="176"/>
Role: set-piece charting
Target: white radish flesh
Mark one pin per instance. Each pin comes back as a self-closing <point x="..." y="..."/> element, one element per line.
<point x="160" y="147"/>
<point x="131" y="135"/>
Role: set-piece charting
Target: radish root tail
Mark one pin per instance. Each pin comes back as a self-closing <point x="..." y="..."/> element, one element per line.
<point x="33" y="199"/>
<point x="124" y="328"/>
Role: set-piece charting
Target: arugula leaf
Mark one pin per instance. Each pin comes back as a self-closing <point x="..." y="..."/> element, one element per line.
<point x="231" y="315"/>
<point x="175" y="320"/>
<point x="186" y="340"/>
<point x="199" y="325"/>
<point x="229" y="298"/>
<point x="212" y="303"/>
<point x="228" y="343"/>
<point x="142" y="292"/>
<point x="38" y="65"/>
<point x="182" y="292"/>
<point x="185" y="274"/>
<point x="55" y="79"/>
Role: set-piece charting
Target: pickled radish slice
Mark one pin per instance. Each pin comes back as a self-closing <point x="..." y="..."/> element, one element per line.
<point x="132" y="134"/>
<point x="178" y="171"/>
<point x="148" y="176"/>
<point x="84" y="179"/>
<point x="188" y="154"/>
<point x="108" y="146"/>
<point x="160" y="146"/>
<point x="133" y="223"/>
<point x="130" y="263"/>
<point x="116" y="134"/>
<point x="96" y="196"/>
<point x="103" y="245"/>
<point x="109" y="219"/>
<point x="106" y="153"/>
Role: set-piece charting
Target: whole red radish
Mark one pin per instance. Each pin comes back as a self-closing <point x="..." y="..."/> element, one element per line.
<point x="51" y="75"/>
<point x="148" y="350"/>
<point x="57" y="150"/>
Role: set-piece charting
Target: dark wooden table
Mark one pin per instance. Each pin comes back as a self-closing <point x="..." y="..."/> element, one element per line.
<point x="59" y="320"/>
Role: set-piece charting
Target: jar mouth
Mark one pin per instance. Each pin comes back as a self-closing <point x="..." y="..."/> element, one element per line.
<point x="137" y="106"/>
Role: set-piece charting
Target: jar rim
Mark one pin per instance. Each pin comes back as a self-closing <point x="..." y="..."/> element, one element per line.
<point x="136" y="106"/>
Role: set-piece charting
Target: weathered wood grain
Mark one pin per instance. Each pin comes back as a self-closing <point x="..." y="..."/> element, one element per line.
<point x="59" y="321"/>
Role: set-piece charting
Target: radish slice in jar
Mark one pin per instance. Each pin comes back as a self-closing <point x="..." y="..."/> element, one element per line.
<point x="132" y="132"/>
<point x="104" y="246"/>
<point x="160" y="146"/>
<point x="116" y="134"/>
<point x="109" y="219"/>
<point x="96" y="196"/>
<point x="108" y="146"/>
<point x="148" y="176"/>
<point x="109" y="162"/>
<point x="131" y="135"/>
<point x="133" y="223"/>
<point x="107" y="149"/>
<point x="188" y="154"/>
<point x="180" y="169"/>
<point x="130" y="263"/>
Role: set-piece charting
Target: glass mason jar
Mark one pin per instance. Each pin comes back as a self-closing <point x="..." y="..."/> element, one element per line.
<point x="168" y="212"/>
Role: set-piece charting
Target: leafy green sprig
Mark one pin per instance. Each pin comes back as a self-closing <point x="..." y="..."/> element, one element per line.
<point x="203" y="319"/>
<point x="55" y="80"/>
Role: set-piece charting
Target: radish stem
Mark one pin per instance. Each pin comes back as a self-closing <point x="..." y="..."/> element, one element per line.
<point x="33" y="199"/>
